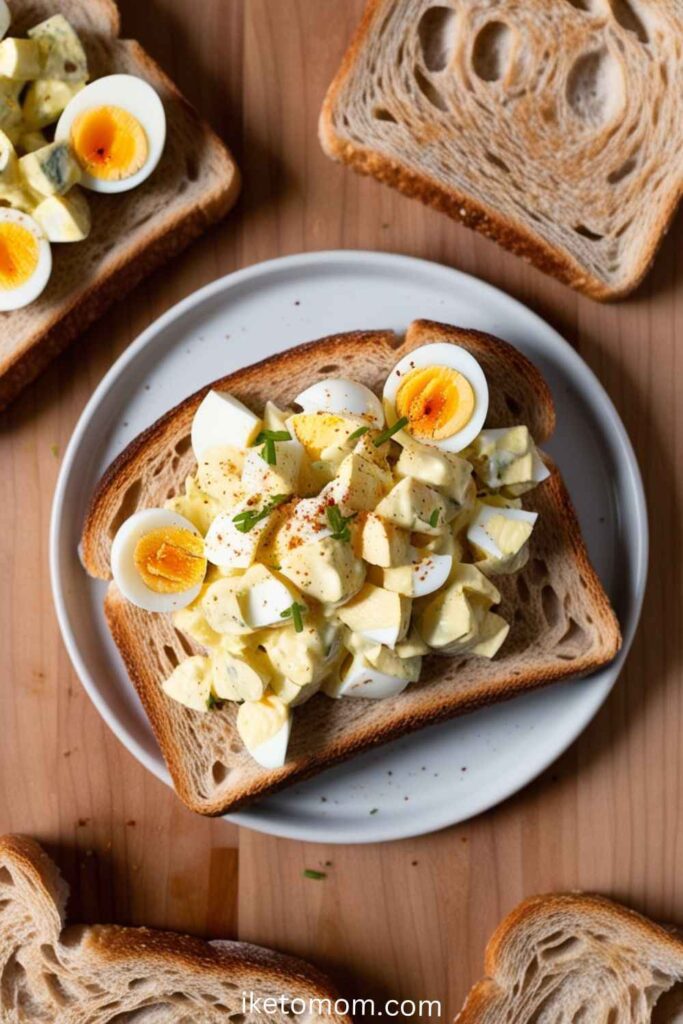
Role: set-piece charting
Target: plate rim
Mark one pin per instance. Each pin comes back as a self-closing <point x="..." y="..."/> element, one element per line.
<point x="374" y="830"/>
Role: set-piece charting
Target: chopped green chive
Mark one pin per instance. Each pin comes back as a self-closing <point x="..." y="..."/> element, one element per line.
<point x="247" y="520"/>
<point x="316" y="875"/>
<point x="390" y="431"/>
<point x="211" y="702"/>
<point x="268" y="438"/>
<point x="434" y="518"/>
<point x="339" y="524"/>
<point x="374" y="810"/>
<point x="272" y="435"/>
<point x="358" y="433"/>
<point x="295" y="613"/>
<point x="268" y="453"/>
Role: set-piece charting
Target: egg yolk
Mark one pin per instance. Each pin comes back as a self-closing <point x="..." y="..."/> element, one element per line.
<point x="109" y="143"/>
<point x="170" y="560"/>
<point x="437" y="401"/>
<point x="18" y="255"/>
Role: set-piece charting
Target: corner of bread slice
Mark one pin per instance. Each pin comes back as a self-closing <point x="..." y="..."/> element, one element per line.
<point x="32" y="887"/>
<point x="561" y="950"/>
<point x="518" y="392"/>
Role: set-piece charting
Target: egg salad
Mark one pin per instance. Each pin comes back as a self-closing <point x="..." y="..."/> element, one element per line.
<point x="330" y="546"/>
<point x="59" y="136"/>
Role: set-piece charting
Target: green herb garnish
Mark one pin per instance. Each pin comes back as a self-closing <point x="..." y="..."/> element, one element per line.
<point x="295" y="613"/>
<point x="316" y="875"/>
<point x="211" y="702"/>
<point x="357" y="433"/>
<point x="339" y="524"/>
<point x="247" y="520"/>
<point x="268" y="438"/>
<point x="434" y="518"/>
<point x="390" y="431"/>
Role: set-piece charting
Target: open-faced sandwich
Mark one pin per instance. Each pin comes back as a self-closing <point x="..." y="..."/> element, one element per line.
<point x="350" y="541"/>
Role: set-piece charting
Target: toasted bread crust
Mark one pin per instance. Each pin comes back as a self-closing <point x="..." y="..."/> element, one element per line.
<point x="57" y="326"/>
<point x="427" y="704"/>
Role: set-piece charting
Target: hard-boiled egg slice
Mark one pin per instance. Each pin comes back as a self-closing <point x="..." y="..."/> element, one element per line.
<point x="157" y="560"/>
<point x="430" y="573"/>
<point x="265" y="727"/>
<point x="441" y="391"/>
<point x="498" y="532"/>
<point x="344" y="397"/>
<point x="117" y="130"/>
<point x="25" y="259"/>
<point x="5" y="18"/>
<point x="357" y="678"/>
<point x="222" y="420"/>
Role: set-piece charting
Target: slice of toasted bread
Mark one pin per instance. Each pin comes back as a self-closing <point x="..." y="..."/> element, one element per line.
<point x="551" y="126"/>
<point x="194" y="185"/>
<point x="570" y="958"/>
<point x="562" y="622"/>
<point x="103" y="973"/>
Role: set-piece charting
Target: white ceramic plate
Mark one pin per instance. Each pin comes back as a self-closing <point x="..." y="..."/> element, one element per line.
<point x="443" y="774"/>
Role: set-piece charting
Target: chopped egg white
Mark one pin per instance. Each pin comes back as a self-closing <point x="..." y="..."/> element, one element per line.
<point x="265" y="727"/>
<point x="222" y="420"/>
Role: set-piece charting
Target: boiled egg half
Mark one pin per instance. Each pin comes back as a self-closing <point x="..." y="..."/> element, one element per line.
<point x="344" y="397"/>
<point x="158" y="561"/>
<point x="25" y="259"/>
<point x="441" y="393"/>
<point x="117" y="130"/>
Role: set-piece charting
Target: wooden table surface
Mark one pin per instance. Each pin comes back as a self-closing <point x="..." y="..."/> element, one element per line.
<point x="407" y="919"/>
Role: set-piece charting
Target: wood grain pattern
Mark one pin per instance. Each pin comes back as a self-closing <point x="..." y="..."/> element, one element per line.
<point x="409" y="919"/>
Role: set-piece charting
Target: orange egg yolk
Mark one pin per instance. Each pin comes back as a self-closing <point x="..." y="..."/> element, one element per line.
<point x="109" y="143"/>
<point x="437" y="401"/>
<point x="18" y="255"/>
<point x="170" y="559"/>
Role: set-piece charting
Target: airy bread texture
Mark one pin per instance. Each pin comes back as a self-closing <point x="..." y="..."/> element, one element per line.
<point x="562" y="622"/>
<point x="575" y="959"/>
<point x="194" y="185"/>
<point x="103" y="973"/>
<point x="551" y="126"/>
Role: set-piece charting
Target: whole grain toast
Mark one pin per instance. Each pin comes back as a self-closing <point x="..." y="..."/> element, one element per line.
<point x="102" y="973"/>
<point x="562" y="622"/>
<point x="551" y="126"/>
<point x="195" y="184"/>
<point x="578" y="959"/>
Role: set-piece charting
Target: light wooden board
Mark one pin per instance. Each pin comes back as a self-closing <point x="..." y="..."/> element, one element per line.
<point x="408" y="920"/>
